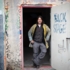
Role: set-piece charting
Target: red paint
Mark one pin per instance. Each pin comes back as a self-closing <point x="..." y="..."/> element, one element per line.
<point x="36" y="6"/>
<point x="21" y="36"/>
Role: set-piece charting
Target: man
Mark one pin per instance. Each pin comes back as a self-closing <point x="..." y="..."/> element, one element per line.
<point x="38" y="35"/>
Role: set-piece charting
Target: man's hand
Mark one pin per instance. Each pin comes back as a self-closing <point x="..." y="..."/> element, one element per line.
<point x="32" y="41"/>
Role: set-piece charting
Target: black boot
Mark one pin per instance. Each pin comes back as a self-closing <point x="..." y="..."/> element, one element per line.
<point x="34" y="65"/>
<point x="38" y="66"/>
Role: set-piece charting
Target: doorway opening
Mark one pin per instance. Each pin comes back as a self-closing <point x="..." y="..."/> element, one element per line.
<point x="29" y="18"/>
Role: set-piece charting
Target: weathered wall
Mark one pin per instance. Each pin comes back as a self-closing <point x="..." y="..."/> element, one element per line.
<point x="12" y="30"/>
<point x="54" y="2"/>
<point x="12" y="34"/>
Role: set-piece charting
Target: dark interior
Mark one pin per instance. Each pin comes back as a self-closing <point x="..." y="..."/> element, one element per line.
<point x="29" y="18"/>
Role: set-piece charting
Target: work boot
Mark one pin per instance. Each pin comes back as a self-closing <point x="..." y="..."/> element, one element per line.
<point x="34" y="65"/>
<point x="38" y="66"/>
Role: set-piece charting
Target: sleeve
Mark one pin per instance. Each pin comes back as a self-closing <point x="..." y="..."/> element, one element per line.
<point x="30" y="33"/>
<point x="49" y="33"/>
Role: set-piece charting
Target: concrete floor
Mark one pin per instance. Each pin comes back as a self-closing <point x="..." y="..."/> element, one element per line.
<point x="45" y="64"/>
<point x="28" y="58"/>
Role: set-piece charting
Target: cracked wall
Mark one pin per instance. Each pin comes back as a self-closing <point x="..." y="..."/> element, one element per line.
<point x="12" y="35"/>
<point x="12" y="31"/>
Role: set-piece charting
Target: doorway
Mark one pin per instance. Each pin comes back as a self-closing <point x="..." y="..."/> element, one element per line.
<point x="29" y="18"/>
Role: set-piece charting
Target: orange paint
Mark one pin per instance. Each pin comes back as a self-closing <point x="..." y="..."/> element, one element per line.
<point x="5" y="62"/>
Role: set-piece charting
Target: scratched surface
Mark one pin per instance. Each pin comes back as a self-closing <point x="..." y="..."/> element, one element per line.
<point x="1" y="44"/>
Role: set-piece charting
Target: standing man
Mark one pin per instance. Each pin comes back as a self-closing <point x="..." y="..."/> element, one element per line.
<point x="38" y="35"/>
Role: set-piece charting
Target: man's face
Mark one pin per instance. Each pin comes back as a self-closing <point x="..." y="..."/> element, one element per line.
<point x="39" y="20"/>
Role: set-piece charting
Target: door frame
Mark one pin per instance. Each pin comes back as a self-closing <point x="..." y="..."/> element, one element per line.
<point x="21" y="26"/>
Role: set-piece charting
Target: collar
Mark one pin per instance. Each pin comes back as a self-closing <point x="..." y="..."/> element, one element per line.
<point x="39" y="25"/>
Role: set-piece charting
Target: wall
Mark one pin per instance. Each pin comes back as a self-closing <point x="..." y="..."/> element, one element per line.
<point x="60" y="35"/>
<point x="54" y="2"/>
<point x="13" y="36"/>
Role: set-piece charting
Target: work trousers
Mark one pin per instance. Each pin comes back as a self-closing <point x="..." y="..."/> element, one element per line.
<point x="38" y="56"/>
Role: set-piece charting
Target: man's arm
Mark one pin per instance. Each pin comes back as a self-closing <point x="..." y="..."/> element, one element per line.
<point x="30" y="34"/>
<point x="49" y="33"/>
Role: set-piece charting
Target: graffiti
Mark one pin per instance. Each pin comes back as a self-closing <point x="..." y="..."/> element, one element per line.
<point x="59" y="28"/>
<point x="6" y="43"/>
<point x="60" y="17"/>
<point x="19" y="20"/>
<point x="6" y="20"/>
<point x="60" y="23"/>
<point x="61" y="47"/>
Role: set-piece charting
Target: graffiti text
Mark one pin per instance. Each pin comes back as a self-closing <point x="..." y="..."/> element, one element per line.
<point x="60" y="17"/>
<point x="59" y="28"/>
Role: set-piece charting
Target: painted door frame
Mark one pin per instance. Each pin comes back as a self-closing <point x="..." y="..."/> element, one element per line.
<point x="21" y="26"/>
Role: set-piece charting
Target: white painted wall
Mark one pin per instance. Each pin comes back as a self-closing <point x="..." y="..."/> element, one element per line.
<point x="60" y="30"/>
<point x="13" y="45"/>
<point x="12" y="41"/>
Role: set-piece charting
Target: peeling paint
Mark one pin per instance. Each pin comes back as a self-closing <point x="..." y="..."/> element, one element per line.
<point x="13" y="50"/>
<point x="44" y="1"/>
<point x="21" y="37"/>
<point x="6" y="20"/>
<point x="12" y="59"/>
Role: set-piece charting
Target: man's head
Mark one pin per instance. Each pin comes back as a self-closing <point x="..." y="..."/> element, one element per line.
<point x="40" y="20"/>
